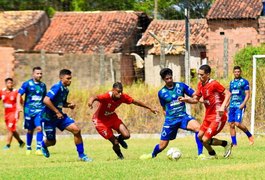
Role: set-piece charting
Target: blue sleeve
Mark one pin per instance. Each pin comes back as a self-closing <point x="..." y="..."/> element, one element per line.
<point x="53" y="91"/>
<point x="188" y="90"/>
<point x="230" y="89"/>
<point x="161" y="100"/>
<point x="246" y="88"/>
<point x="23" y="88"/>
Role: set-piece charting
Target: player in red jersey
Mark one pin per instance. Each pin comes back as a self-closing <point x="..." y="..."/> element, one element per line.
<point x="9" y="95"/>
<point x="105" y="119"/>
<point x="215" y="98"/>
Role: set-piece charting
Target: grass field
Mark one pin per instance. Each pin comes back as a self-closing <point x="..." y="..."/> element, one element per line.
<point x="246" y="162"/>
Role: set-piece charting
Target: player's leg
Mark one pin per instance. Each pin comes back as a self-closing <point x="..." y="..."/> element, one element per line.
<point x="241" y="126"/>
<point x="50" y="134"/>
<point x="19" y="140"/>
<point x="194" y="126"/>
<point x="231" y="121"/>
<point x="124" y="134"/>
<point x="39" y="134"/>
<point x="116" y="146"/>
<point x="29" y="125"/>
<point x="69" y="124"/>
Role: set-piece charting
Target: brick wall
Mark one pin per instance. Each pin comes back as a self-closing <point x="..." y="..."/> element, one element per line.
<point x="240" y="33"/>
<point x="6" y="64"/>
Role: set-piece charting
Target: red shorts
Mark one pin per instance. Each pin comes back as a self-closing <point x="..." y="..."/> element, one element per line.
<point x="213" y="124"/>
<point x="104" y="126"/>
<point x="11" y="121"/>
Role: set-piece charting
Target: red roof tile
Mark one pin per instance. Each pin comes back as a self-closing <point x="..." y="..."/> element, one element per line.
<point x="12" y="22"/>
<point x="235" y="9"/>
<point x="173" y="33"/>
<point x="84" y="32"/>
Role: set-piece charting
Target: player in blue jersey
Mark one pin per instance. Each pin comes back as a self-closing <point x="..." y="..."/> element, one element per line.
<point x="175" y="114"/>
<point x="34" y="91"/>
<point x="53" y="116"/>
<point x="239" y="88"/>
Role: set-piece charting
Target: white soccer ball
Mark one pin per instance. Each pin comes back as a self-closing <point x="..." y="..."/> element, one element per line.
<point x="174" y="153"/>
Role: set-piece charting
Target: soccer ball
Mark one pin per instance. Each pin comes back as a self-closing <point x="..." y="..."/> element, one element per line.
<point x="174" y="153"/>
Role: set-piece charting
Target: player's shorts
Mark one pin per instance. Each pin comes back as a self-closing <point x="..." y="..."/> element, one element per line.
<point x="169" y="132"/>
<point x="104" y="126"/>
<point x="236" y="115"/>
<point x="31" y="123"/>
<point x="10" y="120"/>
<point x="212" y="125"/>
<point x="49" y="126"/>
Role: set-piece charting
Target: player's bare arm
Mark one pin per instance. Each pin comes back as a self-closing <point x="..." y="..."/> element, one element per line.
<point x="224" y="104"/>
<point x="141" y="104"/>
<point x="191" y="100"/>
<point x="47" y="101"/>
<point x="245" y="100"/>
<point x="91" y="101"/>
<point x="19" y="102"/>
<point x="69" y="105"/>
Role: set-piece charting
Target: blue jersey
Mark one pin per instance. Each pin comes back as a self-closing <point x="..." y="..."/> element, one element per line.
<point x="237" y="89"/>
<point x="58" y="96"/>
<point x="168" y="98"/>
<point x="34" y="95"/>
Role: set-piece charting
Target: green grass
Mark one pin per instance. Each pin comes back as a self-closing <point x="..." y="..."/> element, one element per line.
<point x="246" y="162"/>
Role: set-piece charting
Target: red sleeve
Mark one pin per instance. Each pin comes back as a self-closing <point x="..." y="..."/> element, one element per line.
<point x="0" y="94"/>
<point x="102" y="97"/>
<point x="219" y="88"/>
<point x="126" y="99"/>
<point x="198" y="91"/>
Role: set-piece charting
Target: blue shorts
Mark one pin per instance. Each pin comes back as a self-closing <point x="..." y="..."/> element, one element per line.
<point x="31" y="123"/>
<point x="169" y="132"/>
<point x="235" y="115"/>
<point x="49" y="126"/>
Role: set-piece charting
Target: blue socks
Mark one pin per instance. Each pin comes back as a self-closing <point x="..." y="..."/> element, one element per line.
<point x="39" y="137"/>
<point x="233" y="138"/>
<point x="43" y="145"/>
<point x="248" y="134"/>
<point x="80" y="149"/>
<point x="29" y="140"/>
<point x="156" y="151"/>
<point x="199" y="143"/>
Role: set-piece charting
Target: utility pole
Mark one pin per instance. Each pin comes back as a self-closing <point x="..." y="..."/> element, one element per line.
<point x="155" y="10"/>
<point x="187" y="43"/>
<point x="225" y="57"/>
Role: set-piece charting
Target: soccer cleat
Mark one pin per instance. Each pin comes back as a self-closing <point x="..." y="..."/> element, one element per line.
<point x="85" y="158"/>
<point x="123" y="143"/>
<point x="120" y="156"/>
<point x="210" y="157"/>
<point x="28" y="152"/>
<point x="228" y="150"/>
<point x="21" y="145"/>
<point x="201" y="156"/>
<point x="6" y="147"/>
<point x="38" y="152"/>
<point x="45" y="152"/>
<point x="251" y="140"/>
<point x="146" y="156"/>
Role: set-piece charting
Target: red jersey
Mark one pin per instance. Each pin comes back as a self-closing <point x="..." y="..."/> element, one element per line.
<point x="108" y="105"/>
<point x="9" y="99"/>
<point x="212" y="93"/>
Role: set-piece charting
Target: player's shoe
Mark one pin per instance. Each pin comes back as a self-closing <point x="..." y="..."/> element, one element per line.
<point x="210" y="157"/>
<point x="120" y="156"/>
<point x="21" y="145"/>
<point x="228" y="150"/>
<point x="28" y="152"/>
<point x="45" y="152"/>
<point x="201" y="156"/>
<point x="251" y="140"/>
<point x="123" y="143"/>
<point x="38" y="152"/>
<point x="146" y="156"/>
<point x="84" y="158"/>
<point x="6" y="147"/>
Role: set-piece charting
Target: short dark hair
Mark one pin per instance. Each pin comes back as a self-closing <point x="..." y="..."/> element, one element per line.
<point x="165" y="71"/>
<point x="36" y="68"/>
<point x="118" y="85"/>
<point x="65" y="72"/>
<point x="206" y="68"/>
<point x="237" y="67"/>
<point x="8" y="79"/>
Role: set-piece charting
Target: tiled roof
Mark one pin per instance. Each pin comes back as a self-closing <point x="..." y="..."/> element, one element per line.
<point x="85" y="32"/>
<point x="12" y="22"/>
<point x="235" y="9"/>
<point x="173" y="33"/>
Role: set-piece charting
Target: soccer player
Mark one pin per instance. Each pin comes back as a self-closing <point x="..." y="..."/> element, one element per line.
<point x="215" y="98"/>
<point x="53" y="116"/>
<point x="34" y="91"/>
<point x="176" y="116"/>
<point x="8" y="95"/>
<point x="105" y="119"/>
<point x="239" y="88"/>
